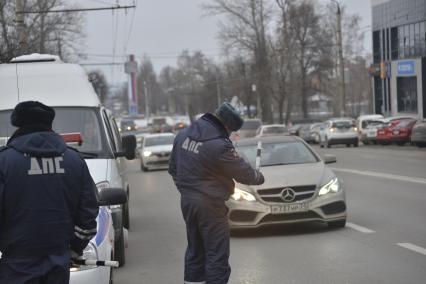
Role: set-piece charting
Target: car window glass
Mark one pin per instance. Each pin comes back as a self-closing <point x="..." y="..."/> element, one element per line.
<point x="278" y="153"/>
<point x="159" y="140"/>
<point x="251" y="125"/>
<point x="275" y="130"/>
<point x="109" y="130"/>
<point x="68" y="120"/>
<point x="116" y="133"/>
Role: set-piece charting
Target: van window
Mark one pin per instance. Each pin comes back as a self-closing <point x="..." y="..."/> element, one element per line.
<point x="109" y="130"/>
<point x="69" y="120"/>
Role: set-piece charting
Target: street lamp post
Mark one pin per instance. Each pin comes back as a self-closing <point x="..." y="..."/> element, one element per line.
<point x="341" y="62"/>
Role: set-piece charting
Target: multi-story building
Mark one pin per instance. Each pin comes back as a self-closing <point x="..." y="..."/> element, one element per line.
<point x="399" y="55"/>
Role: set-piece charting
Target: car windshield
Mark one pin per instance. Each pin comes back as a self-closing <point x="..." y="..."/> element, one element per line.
<point x="279" y="153"/>
<point x="159" y="140"/>
<point x="275" y="130"/>
<point x="404" y="123"/>
<point x="251" y="125"/>
<point x="343" y="124"/>
<point x="68" y="120"/>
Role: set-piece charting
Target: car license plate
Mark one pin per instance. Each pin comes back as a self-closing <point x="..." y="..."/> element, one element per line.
<point x="395" y="132"/>
<point x="371" y="133"/>
<point x="289" y="208"/>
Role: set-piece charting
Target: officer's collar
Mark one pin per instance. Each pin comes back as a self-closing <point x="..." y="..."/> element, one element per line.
<point x="218" y="123"/>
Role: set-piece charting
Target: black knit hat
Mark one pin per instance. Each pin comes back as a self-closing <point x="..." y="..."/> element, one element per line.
<point x="229" y="116"/>
<point x="32" y="113"/>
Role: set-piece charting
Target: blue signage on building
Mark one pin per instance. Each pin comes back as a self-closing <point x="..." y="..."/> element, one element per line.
<point x="406" y="67"/>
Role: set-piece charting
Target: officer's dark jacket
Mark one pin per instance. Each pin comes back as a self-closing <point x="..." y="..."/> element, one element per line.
<point x="204" y="161"/>
<point x="47" y="197"/>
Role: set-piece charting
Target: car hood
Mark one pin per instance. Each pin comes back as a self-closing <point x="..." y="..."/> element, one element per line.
<point x="293" y="175"/>
<point x="160" y="148"/>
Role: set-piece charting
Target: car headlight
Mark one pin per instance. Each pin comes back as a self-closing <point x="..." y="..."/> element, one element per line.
<point x="90" y="252"/>
<point x="330" y="187"/>
<point x="147" y="153"/>
<point x="240" y="195"/>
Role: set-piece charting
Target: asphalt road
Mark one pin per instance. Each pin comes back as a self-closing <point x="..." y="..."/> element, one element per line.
<point x="383" y="242"/>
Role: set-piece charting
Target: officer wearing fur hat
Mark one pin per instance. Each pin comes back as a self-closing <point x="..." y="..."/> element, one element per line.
<point x="48" y="205"/>
<point x="204" y="165"/>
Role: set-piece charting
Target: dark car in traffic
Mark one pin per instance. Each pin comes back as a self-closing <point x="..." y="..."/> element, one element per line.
<point x="418" y="133"/>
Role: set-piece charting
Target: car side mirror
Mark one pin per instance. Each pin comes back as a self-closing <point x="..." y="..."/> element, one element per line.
<point x="329" y="159"/>
<point x="129" y="147"/>
<point x="111" y="196"/>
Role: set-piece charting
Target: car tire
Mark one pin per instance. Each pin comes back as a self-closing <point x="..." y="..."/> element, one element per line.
<point x="120" y="249"/>
<point x="348" y="145"/>
<point x="337" y="224"/>
<point x="420" y="144"/>
<point x="327" y="143"/>
<point x="126" y="211"/>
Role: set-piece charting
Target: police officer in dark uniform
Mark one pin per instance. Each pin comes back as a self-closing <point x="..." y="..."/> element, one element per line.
<point x="204" y="165"/>
<point x="48" y="205"/>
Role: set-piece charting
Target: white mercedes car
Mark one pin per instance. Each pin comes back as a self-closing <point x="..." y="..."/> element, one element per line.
<point x="155" y="151"/>
<point x="298" y="186"/>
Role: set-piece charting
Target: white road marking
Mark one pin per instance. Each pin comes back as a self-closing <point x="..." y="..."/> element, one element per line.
<point x="382" y="175"/>
<point x="413" y="248"/>
<point x="359" y="228"/>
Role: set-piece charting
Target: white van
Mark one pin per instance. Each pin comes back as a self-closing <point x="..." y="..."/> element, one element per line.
<point x="66" y="88"/>
<point x="362" y="122"/>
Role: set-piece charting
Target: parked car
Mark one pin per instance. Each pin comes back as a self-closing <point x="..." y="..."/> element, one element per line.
<point x="401" y="134"/>
<point x="362" y="123"/>
<point x="385" y="131"/>
<point x="339" y="131"/>
<point x="305" y="133"/>
<point x="155" y="151"/>
<point x="65" y="87"/>
<point x="370" y="131"/>
<point x="418" y="134"/>
<point x="298" y="186"/>
<point x="315" y="132"/>
<point x="272" y="130"/>
<point x="249" y="128"/>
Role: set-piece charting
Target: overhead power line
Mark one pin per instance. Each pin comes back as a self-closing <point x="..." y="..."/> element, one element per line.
<point x="116" y="7"/>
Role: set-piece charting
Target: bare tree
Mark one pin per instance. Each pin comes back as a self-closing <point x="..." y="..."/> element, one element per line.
<point x="56" y="33"/>
<point x="245" y="29"/>
<point x="311" y="44"/>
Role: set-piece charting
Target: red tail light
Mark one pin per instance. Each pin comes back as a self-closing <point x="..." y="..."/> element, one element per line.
<point x="72" y="138"/>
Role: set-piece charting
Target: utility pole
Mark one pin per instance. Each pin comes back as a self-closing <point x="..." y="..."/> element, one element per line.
<point x="341" y="62"/>
<point x="219" y="97"/>
<point x="145" y="88"/>
<point x="20" y="26"/>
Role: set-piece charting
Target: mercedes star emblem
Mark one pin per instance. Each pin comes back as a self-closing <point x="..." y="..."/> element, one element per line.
<point x="288" y="195"/>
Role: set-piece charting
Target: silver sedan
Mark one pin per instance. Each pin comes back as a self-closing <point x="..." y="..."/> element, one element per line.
<point x="298" y="186"/>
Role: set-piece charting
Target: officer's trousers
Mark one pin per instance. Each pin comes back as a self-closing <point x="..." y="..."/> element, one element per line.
<point x="53" y="269"/>
<point x="207" y="254"/>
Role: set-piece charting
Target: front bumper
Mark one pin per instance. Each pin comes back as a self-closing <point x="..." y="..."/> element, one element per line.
<point x="342" y="140"/>
<point x="95" y="275"/>
<point x="254" y="214"/>
<point x="155" y="162"/>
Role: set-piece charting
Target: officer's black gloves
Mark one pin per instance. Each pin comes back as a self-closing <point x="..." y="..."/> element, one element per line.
<point x="75" y="258"/>
<point x="260" y="178"/>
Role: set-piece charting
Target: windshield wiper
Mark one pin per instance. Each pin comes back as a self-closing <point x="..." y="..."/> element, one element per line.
<point x="277" y="164"/>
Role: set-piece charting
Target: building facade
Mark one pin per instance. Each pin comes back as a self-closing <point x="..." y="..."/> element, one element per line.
<point x="399" y="57"/>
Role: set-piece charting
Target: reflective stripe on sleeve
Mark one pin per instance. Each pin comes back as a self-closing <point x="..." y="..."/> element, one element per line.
<point x="84" y="237"/>
<point x="80" y="230"/>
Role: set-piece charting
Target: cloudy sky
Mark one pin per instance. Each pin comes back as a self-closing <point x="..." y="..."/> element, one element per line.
<point x="161" y="29"/>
